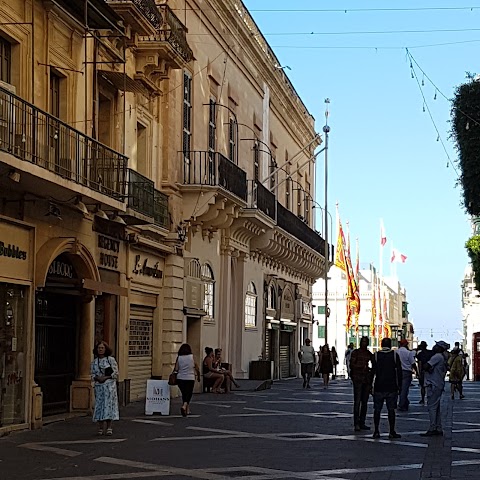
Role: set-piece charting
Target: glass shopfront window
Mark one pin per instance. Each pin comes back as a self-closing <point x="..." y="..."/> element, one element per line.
<point x="13" y="301"/>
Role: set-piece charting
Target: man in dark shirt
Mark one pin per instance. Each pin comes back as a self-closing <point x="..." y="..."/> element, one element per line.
<point x="423" y="356"/>
<point x="360" y="373"/>
<point x="387" y="369"/>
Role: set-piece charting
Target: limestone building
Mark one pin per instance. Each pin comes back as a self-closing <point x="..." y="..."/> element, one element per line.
<point x="137" y="141"/>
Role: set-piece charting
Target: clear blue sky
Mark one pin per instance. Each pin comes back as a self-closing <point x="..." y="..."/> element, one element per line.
<point x="384" y="158"/>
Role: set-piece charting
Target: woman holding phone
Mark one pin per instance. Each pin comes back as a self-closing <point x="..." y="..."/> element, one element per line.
<point x="104" y="371"/>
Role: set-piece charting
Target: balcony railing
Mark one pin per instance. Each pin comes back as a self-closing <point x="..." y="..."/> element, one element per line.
<point x="140" y="193"/>
<point x="160" y="209"/>
<point x="146" y="7"/>
<point x="262" y="198"/>
<point x="212" y="168"/>
<point x="37" y="137"/>
<point x="171" y="30"/>
<point x="299" y="229"/>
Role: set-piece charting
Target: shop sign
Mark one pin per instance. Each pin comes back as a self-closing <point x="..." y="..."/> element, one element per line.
<point x="288" y="305"/>
<point x="12" y="251"/>
<point x="16" y="247"/>
<point x="142" y="267"/>
<point x="61" y="268"/>
<point x="157" y="399"/>
<point x="109" y="250"/>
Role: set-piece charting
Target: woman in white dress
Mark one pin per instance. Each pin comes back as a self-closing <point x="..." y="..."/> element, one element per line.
<point x="104" y="371"/>
<point x="187" y="370"/>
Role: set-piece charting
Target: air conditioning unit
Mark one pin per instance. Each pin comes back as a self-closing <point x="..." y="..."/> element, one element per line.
<point x="7" y="117"/>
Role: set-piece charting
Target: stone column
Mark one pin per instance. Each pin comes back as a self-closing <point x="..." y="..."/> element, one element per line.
<point x="81" y="398"/>
<point x="237" y="319"/>
<point x="225" y="310"/>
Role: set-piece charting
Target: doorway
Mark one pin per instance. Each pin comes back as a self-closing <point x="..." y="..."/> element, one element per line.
<point x="286" y="354"/>
<point x="194" y="329"/>
<point x="476" y="356"/>
<point x="55" y="349"/>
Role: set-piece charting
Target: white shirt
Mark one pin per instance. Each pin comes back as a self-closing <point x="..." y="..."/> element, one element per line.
<point x="308" y="354"/>
<point x="407" y="358"/>
<point x="186" y="367"/>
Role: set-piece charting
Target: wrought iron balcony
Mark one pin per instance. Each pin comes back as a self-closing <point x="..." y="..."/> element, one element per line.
<point x="140" y="196"/>
<point x="142" y="15"/>
<point x="170" y="31"/>
<point x="216" y="170"/>
<point x="299" y="229"/>
<point x="262" y="198"/>
<point x="39" y="138"/>
<point x="160" y="209"/>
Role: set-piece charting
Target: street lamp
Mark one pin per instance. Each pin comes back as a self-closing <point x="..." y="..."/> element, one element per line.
<point x="326" y="130"/>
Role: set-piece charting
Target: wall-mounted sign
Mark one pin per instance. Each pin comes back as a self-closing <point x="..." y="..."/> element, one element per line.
<point x="142" y="267"/>
<point x="12" y="251"/>
<point x="288" y="304"/>
<point x="61" y="267"/>
<point x="109" y="249"/>
<point x="16" y="250"/>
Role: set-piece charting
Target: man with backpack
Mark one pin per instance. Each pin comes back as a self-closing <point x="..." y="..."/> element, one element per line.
<point x="387" y="370"/>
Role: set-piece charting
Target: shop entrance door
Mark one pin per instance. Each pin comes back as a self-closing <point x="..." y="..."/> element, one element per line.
<point x="476" y="356"/>
<point x="55" y="349"/>
<point x="285" y="354"/>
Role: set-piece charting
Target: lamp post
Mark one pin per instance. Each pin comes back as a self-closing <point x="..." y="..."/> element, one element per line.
<point x="326" y="130"/>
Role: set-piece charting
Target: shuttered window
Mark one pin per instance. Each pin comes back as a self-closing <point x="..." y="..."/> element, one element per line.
<point x="187" y="114"/>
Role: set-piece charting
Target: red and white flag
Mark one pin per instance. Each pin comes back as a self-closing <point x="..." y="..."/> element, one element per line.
<point x="398" y="257"/>
<point x="383" y="236"/>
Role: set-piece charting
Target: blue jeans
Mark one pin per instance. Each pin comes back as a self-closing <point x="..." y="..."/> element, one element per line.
<point x="434" y="395"/>
<point x="406" y="382"/>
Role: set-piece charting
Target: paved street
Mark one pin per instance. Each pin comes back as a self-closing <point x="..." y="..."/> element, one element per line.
<point x="285" y="432"/>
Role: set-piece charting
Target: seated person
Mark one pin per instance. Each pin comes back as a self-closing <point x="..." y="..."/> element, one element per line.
<point x="210" y="372"/>
<point x="217" y="364"/>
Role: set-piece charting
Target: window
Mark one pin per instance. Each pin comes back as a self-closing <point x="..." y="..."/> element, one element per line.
<point x="256" y="161"/>
<point x="321" y="331"/>
<point x="187" y="115"/>
<point x="209" y="293"/>
<point x="212" y="127"/>
<point x="142" y="149"/>
<point x="288" y="183"/>
<point x="273" y="166"/>
<point x="232" y="140"/>
<point x="55" y="94"/>
<point x="363" y="331"/>
<point x="272" y="298"/>
<point x="251" y="306"/>
<point x="5" y="61"/>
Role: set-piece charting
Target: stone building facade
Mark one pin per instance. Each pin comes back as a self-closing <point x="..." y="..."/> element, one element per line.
<point x="136" y="143"/>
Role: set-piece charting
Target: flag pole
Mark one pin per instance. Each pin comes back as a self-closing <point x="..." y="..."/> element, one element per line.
<point x="381" y="248"/>
<point x="326" y="130"/>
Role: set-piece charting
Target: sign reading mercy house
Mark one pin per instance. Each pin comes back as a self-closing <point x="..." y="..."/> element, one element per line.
<point x="109" y="249"/>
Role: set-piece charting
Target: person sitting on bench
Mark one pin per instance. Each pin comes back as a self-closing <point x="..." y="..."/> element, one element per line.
<point x="217" y="364"/>
<point x="210" y="373"/>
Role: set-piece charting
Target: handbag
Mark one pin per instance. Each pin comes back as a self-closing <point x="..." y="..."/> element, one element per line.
<point x="108" y="372"/>
<point x="172" y="378"/>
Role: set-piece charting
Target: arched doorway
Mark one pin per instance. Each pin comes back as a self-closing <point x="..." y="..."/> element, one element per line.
<point x="64" y="323"/>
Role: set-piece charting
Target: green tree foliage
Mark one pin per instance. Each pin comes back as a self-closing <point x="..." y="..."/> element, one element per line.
<point x="466" y="134"/>
<point x="473" y="249"/>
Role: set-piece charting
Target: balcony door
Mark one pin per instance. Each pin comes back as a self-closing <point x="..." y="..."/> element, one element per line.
<point x="59" y="159"/>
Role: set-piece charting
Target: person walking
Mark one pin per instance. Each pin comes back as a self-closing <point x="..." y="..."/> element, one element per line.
<point x="407" y="358"/>
<point x="306" y="355"/>
<point x="457" y="372"/>
<point x="435" y="371"/>
<point x="104" y="373"/>
<point x="187" y="371"/>
<point x="325" y="364"/>
<point x="387" y="372"/>
<point x="423" y="356"/>
<point x="335" y="362"/>
<point x="361" y="362"/>
<point x="347" y="358"/>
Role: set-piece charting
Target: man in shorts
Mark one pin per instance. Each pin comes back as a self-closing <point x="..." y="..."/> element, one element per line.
<point x="387" y="370"/>
<point x="306" y="355"/>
